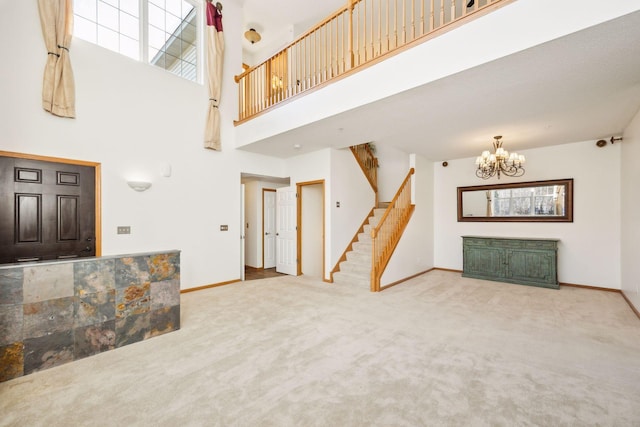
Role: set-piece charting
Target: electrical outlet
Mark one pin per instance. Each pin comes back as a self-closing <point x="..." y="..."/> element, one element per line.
<point x="224" y="228"/>
<point x="124" y="229"/>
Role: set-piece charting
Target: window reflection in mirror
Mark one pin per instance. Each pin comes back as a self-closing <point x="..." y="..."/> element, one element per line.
<point x="525" y="201"/>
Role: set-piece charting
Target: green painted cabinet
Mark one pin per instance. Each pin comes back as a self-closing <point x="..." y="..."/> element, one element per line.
<point x="531" y="262"/>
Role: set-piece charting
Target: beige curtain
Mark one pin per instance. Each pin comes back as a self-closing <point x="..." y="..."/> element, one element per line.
<point x="215" y="52"/>
<point x="58" y="88"/>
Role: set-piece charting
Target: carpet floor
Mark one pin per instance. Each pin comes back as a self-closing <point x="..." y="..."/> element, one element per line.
<point x="436" y="350"/>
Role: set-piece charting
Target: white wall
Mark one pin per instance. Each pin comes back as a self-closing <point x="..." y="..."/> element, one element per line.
<point x="252" y="238"/>
<point x="132" y="118"/>
<point x="589" y="249"/>
<point x="394" y="166"/>
<point x="414" y="253"/>
<point x="630" y="219"/>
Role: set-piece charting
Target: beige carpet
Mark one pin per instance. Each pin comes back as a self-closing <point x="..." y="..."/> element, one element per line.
<point x="437" y="350"/>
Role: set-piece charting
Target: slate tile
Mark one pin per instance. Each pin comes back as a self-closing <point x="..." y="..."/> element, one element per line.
<point x="93" y="309"/>
<point x="48" y="351"/>
<point x="131" y="271"/>
<point x="11" y="320"/>
<point x="48" y="317"/>
<point x="164" y="267"/>
<point x="165" y="294"/>
<point x="11" y="361"/>
<point x="132" y="329"/>
<point x="133" y="300"/>
<point x="94" y="276"/>
<point x="164" y="320"/>
<point x="46" y="282"/>
<point x="94" y="339"/>
<point x="11" y="280"/>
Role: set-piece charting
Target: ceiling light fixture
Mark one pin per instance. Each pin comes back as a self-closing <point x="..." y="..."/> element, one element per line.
<point x="252" y="35"/>
<point x="499" y="163"/>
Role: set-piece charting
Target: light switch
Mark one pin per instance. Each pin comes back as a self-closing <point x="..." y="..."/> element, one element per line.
<point x="224" y="228"/>
<point x="124" y="229"/>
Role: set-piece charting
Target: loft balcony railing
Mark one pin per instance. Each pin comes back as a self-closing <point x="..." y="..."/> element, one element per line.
<point x="360" y="33"/>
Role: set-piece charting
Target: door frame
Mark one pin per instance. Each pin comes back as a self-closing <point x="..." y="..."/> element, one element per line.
<point x="264" y="190"/>
<point x="299" y="186"/>
<point x="97" y="190"/>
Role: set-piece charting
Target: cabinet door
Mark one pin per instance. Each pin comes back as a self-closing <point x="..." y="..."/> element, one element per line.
<point x="531" y="266"/>
<point x="484" y="262"/>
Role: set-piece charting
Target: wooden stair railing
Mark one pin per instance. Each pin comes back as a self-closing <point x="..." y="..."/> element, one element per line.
<point x="386" y="235"/>
<point x="368" y="163"/>
<point x="360" y="33"/>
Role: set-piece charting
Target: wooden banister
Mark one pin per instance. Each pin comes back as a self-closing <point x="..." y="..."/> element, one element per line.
<point x="368" y="163"/>
<point x="386" y="235"/>
<point x="360" y="33"/>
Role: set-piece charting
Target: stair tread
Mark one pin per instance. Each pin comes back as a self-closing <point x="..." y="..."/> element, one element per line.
<point x="348" y="279"/>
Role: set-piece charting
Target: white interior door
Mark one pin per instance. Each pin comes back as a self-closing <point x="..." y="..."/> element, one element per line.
<point x="286" y="234"/>
<point x="269" y="220"/>
<point x="242" y="232"/>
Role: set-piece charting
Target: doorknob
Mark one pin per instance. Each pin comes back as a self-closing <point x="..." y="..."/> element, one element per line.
<point x="87" y="249"/>
<point x="277" y="234"/>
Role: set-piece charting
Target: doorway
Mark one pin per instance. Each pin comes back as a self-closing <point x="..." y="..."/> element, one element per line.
<point x="257" y="218"/>
<point x="311" y="229"/>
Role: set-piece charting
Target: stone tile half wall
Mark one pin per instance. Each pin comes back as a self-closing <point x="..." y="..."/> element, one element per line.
<point x="58" y="312"/>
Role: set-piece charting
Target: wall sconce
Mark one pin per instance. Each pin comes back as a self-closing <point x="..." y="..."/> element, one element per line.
<point x="139" y="185"/>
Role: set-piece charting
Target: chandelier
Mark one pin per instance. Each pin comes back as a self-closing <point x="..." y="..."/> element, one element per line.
<point x="499" y="163"/>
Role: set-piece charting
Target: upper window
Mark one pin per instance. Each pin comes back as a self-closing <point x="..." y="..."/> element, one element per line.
<point x="161" y="32"/>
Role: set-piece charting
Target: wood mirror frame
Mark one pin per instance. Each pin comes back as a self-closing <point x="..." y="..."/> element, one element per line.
<point x="566" y="216"/>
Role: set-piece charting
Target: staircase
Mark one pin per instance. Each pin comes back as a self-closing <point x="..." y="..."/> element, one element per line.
<point x="356" y="270"/>
<point x="364" y="260"/>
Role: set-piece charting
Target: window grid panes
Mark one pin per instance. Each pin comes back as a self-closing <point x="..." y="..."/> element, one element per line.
<point x="104" y="23"/>
<point x="172" y="37"/>
<point x="537" y="201"/>
<point x="171" y="25"/>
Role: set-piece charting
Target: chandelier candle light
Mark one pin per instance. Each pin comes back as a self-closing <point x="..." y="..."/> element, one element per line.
<point x="501" y="162"/>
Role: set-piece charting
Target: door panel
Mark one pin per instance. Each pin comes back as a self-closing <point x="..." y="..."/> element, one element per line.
<point x="286" y="233"/>
<point x="269" y="220"/>
<point x="47" y="210"/>
<point x="28" y="225"/>
<point x="68" y="220"/>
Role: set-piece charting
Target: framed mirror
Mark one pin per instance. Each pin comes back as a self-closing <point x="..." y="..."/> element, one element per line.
<point x="534" y="201"/>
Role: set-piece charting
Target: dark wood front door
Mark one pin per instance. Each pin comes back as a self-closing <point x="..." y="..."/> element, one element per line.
<point x="47" y="210"/>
